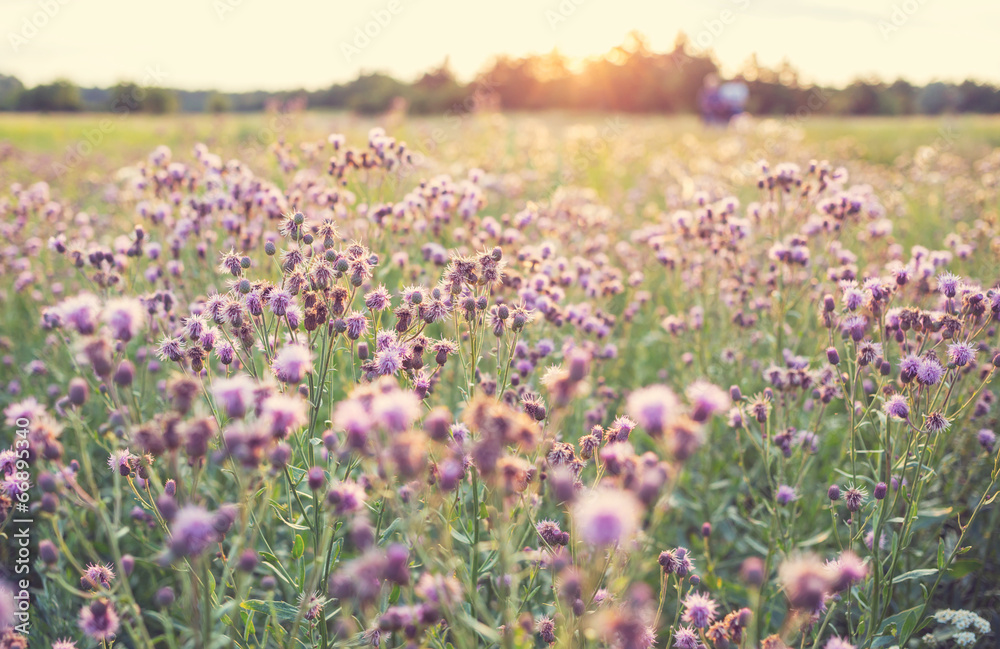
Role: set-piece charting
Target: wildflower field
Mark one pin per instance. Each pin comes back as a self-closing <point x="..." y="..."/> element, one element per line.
<point x="498" y="380"/>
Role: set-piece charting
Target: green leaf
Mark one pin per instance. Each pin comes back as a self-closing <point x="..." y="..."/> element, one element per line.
<point x="897" y="619"/>
<point x="962" y="568"/>
<point x="299" y="547"/>
<point x="909" y="624"/>
<point x="284" y="611"/>
<point x="915" y="574"/>
<point x="935" y="512"/>
<point x="815" y="540"/>
<point x="394" y="595"/>
<point x="389" y="531"/>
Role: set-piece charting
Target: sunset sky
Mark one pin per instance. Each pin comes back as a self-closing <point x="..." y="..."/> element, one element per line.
<point x="265" y="44"/>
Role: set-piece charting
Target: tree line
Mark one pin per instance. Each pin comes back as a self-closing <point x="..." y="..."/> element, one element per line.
<point x="628" y="78"/>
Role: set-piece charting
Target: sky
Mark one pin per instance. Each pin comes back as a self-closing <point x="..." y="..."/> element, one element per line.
<point x="237" y="45"/>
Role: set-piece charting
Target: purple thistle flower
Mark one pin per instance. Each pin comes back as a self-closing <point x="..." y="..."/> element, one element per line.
<point x="961" y="353"/>
<point x="550" y="533"/>
<point x="284" y="413"/>
<point x="234" y="394"/>
<point x="98" y="576"/>
<point x="194" y="327"/>
<point x="13" y="486"/>
<point x="686" y="638"/>
<point x="214" y="306"/>
<point x="785" y="495"/>
<point x="191" y="532"/>
<point x="225" y="352"/>
<point x="948" y="284"/>
<point x="929" y="372"/>
<point x="868" y="351"/>
<point x="8" y="461"/>
<point x="254" y="303"/>
<point x="357" y="325"/>
<point x="676" y="562"/>
<point x="346" y="497"/>
<point x="653" y="407"/>
<point x="854" y="497"/>
<point x="122" y="461"/>
<point x="124" y="317"/>
<point x="389" y="360"/>
<point x="396" y="410"/>
<point x="278" y="301"/>
<point x="706" y="400"/>
<point x="908" y="367"/>
<point x="936" y="422"/>
<point x="98" y="620"/>
<point x="853" y="297"/>
<point x="378" y="299"/>
<point x="699" y="610"/>
<point x="80" y="312"/>
<point x="171" y="349"/>
<point x="292" y="363"/>
<point x="897" y="406"/>
<point x="606" y="517"/>
<point x="849" y="569"/>
<point x="854" y="326"/>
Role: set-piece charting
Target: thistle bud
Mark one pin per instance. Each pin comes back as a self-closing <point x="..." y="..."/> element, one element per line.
<point x="833" y="356"/>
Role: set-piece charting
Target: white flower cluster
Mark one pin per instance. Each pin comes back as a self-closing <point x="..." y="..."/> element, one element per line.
<point x="962" y="620"/>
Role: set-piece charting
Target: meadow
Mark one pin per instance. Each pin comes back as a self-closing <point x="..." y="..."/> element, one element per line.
<point x="499" y="380"/>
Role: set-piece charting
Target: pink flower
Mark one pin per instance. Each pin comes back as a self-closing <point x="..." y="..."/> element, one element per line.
<point x="607" y="517"/>
<point x="124" y="316"/>
<point x="292" y="363"/>
<point x="653" y="407"/>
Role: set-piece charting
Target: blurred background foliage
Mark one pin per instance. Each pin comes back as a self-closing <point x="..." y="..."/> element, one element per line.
<point x="630" y="78"/>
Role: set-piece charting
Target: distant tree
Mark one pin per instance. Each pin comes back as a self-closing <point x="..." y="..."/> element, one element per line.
<point x="863" y="98"/>
<point x="159" y="101"/>
<point x="437" y="91"/>
<point x="630" y="77"/>
<point x="935" y="98"/>
<point x="901" y="98"/>
<point x="10" y="89"/>
<point x="59" y="96"/>
<point x="372" y="93"/>
<point x="978" y="98"/>
<point x="217" y="103"/>
<point x="129" y="97"/>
